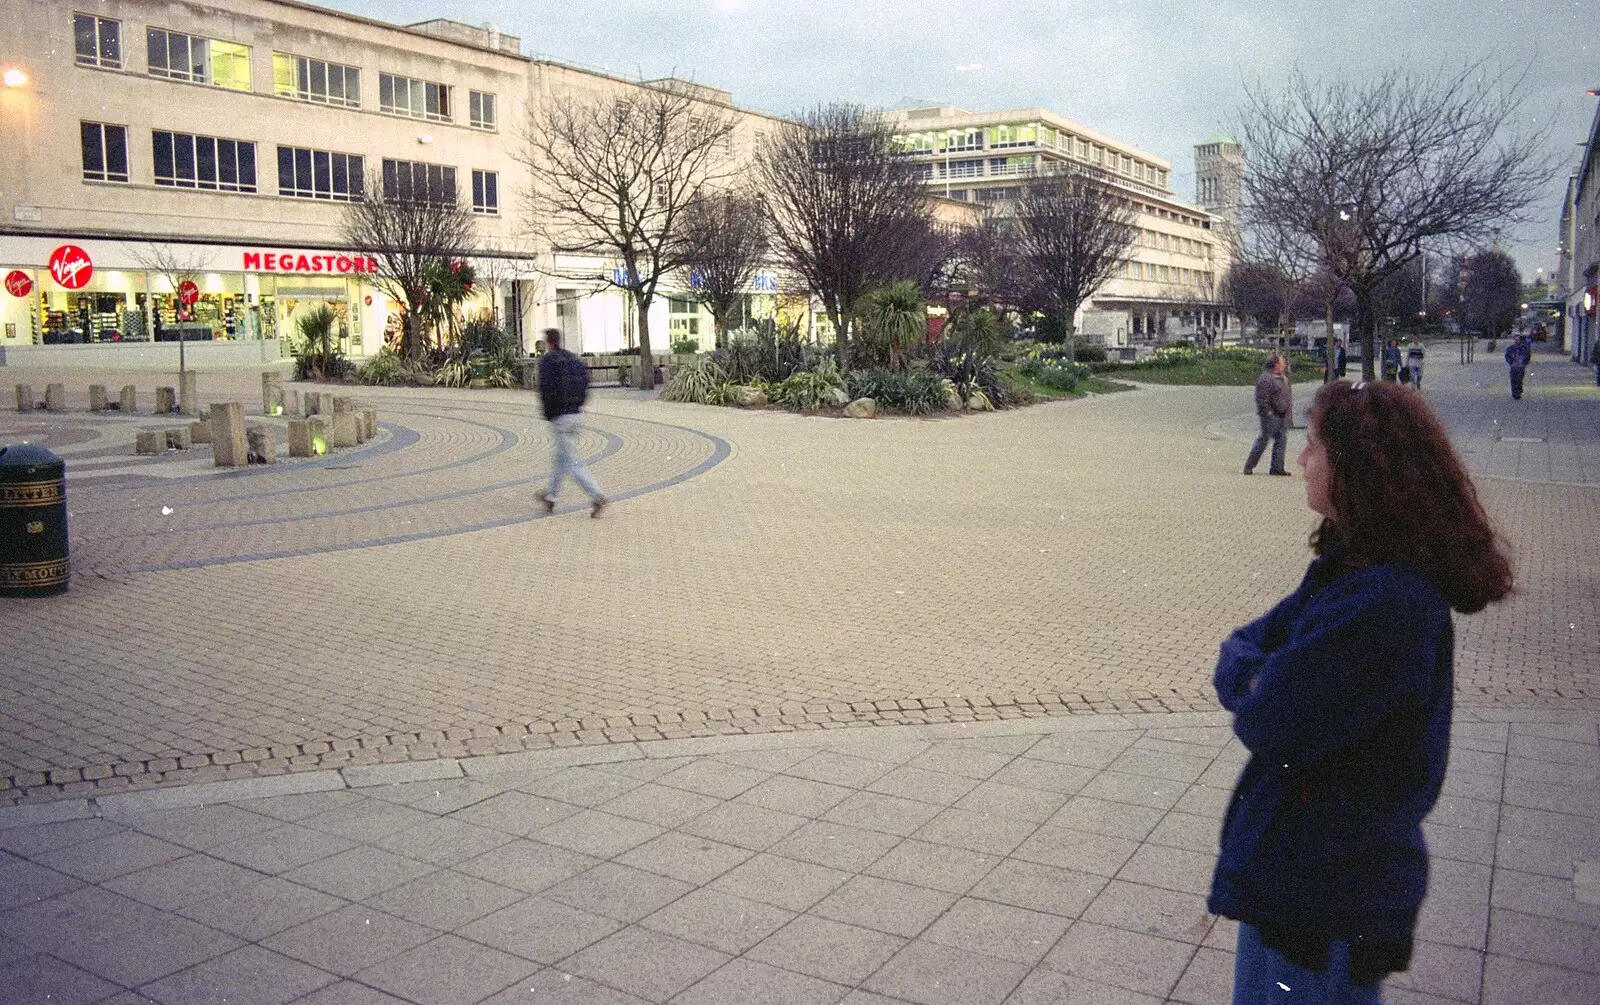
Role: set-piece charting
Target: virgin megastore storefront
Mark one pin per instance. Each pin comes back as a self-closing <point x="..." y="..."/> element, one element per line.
<point x="77" y="301"/>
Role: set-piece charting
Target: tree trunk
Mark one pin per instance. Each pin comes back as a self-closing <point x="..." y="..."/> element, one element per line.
<point x="1369" y="333"/>
<point x="647" y="359"/>
<point x="411" y="336"/>
<point x="1069" y="330"/>
<point x="1330" y="366"/>
<point x="719" y="332"/>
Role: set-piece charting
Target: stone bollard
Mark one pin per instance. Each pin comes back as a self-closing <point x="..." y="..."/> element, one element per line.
<point x="341" y="403"/>
<point x="55" y="397"/>
<point x="228" y="445"/>
<point x="304" y="437"/>
<point x="369" y="420"/>
<point x="179" y="438"/>
<point x="97" y="397"/>
<point x="24" y="397"/>
<point x="129" y="401"/>
<point x="343" y="430"/>
<point x="272" y="393"/>
<point x="188" y="400"/>
<point x="296" y="406"/>
<point x="166" y="400"/>
<point x="151" y="441"/>
<point x="200" y="432"/>
<point x="262" y="445"/>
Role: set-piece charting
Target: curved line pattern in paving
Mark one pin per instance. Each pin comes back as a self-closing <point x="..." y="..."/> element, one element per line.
<point x="433" y="472"/>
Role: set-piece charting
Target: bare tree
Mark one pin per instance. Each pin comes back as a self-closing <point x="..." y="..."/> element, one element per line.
<point x="176" y="267"/>
<point x="1257" y="291"/>
<point x="724" y="243"/>
<point x="1072" y="234"/>
<point x="410" y="232"/>
<point x="1493" y="293"/>
<point x="613" y="177"/>
<point x="844" y="201"/>
<point x="1371" y="174"/>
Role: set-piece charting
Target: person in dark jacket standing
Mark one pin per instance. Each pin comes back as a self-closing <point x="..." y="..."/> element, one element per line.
<point x="1518" y="355"/>
<point x="1273" y="406"/>
<point x="563" y="388"/>
<point x="1345" y="709"/>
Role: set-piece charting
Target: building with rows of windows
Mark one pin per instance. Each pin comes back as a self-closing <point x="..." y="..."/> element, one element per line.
<point x="1167" y="285"/>
<point x="147" y="141"/>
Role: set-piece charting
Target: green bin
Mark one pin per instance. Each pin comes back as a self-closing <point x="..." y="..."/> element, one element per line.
<point x="33" y="522"/>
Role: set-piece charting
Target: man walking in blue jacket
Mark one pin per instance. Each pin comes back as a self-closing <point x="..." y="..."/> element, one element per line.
<point x="563" y="388"/>
<point x="1518" y="354"/>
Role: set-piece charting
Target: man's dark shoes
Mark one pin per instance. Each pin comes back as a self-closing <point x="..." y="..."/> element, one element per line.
<point x="1284" y="474"/>
<point x="599" y="504"/>
<point x="548" y="503"/>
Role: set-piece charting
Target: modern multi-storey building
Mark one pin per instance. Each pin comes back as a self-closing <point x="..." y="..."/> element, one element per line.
<point x="170" y="163"/>
<point x="1578" y="266"/>
<point x="1168" y="283"/>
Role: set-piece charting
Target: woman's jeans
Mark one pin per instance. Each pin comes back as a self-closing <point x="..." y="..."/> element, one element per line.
<point x="1261" y="975"/>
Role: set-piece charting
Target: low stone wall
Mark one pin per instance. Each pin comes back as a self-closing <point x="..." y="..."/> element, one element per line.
<point x="142" y="355"/>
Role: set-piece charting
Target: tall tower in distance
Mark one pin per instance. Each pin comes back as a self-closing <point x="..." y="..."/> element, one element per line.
<point x="1218" y="179"/>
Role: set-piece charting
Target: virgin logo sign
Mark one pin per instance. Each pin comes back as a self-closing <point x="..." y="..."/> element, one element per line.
<point x="18" y="283"/>
<point x="70" y="267"/>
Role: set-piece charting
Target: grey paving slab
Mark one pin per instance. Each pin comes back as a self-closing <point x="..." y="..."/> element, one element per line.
<point x="885" y="905"/>
<point x="348" y="940"/>
<point x="22" y="882"/>
<point x="721" y="921"/>
<point x="688" y="857"/>
<point x="942" y="975"/>
<point x="516" y="813"/>
<point x="826" y="949"/>
<point x="359" y="873"/>
<point x="1132" y="960"/>
<point x="617" y="891"/>
<point x="997" y="930"/>
<point x="447" y="971"/>
<point x="264" y="908"/>
<point x="1039" y="887"/>
<point x="646" y="963"/>
<point x="249" y="976"/>
<point x="935" y="866"/>
<point x="282" y="848"/>
<point x="540" y="930"/>
<point x="445" y="900"/>
<point x="792" y="884"/>
<point x="838" y="845"/>
<point x="443" y="841"/>
<point x="40" y="978"/>
<point x="529" y="866"/>
<point x="183" y="882"/>
<point x="731" y="984"/>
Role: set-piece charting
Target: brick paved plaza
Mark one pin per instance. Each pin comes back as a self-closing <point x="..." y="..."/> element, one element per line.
<point x="639" y="754"/>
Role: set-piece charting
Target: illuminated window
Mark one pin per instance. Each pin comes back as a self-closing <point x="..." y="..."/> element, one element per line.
<point x="315" y="80"/>
<point x="230" y="65"/>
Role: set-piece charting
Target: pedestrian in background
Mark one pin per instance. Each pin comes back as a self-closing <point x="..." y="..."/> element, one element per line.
<point x="1414" y="356"/>
<point x="1391" y="360"/>
<point x="1518" y="355"/>
<point x="1339" y="359"/>
<point x="1346" y="710"/>
<point x="1273" y="406"/>
<point x="563" y="388"/>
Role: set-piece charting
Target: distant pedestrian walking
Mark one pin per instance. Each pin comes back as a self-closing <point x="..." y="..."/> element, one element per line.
<point x="1339" y="359"/>
<point x="1391" y="360"/>
<point x="1273" y="406"/>
<point x="563" y="388"/>
<point x="1342" y="696"/>
<point x="1518" y="355"/>
<point x="1414" y="356"/>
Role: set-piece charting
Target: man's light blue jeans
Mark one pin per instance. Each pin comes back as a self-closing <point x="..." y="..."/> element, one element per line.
<point x="1261" y="976"/>
<point x="566" y="458"/>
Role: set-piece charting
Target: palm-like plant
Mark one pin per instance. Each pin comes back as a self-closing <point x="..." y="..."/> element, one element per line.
<point x="315" y="328"/>
<point x="896" y="318"/>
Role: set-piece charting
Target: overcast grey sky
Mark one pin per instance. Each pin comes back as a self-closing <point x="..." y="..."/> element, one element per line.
<point x="1161" y="74"/>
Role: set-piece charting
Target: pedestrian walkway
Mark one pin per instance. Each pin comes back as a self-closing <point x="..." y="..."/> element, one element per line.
<point x="1036" y="861"/>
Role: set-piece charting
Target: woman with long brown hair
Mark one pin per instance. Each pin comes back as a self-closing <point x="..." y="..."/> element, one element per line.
<point x="1342" y="694"/>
